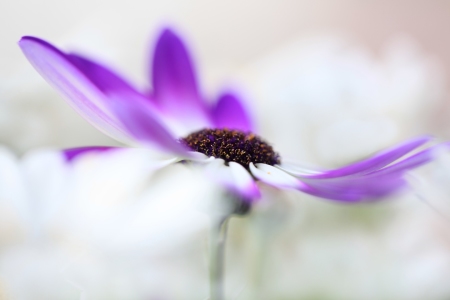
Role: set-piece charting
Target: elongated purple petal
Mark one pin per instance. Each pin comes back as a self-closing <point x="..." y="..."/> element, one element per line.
<point x="72" y="153"/>
<point x="174" y="81"/>
<point x="378" y="183"/>
<point x="115" y="87"/>
<point x="105" y="79"/>
<point x="356" y="189"/>
<point x="413" y="161"/>
<point x="345" y="189"/>
<point x="358" y="186"/>
<point x="144" y="124"/>
<point x="368" y="165"/>
<point x="173" y="72"/>
<point x="82" y="94"/>
<point x="230" y="113"/>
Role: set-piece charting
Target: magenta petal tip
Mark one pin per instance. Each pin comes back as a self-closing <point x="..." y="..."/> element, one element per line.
<point x="72" y="153"/>
<point x="231" y="113"/>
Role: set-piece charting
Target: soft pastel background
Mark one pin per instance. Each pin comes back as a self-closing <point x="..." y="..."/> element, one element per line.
<point x="329" y="82"/>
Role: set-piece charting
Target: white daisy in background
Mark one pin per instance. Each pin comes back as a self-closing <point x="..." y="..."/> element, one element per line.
<point x="156" y="246"/>
<point x="31" y="191"/>
<point x="102" y="227"/>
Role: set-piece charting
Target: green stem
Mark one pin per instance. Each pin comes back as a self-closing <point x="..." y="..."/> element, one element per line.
<point x="217" y="258"/>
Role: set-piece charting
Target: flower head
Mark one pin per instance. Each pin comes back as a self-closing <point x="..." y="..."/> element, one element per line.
<point x="232" y="146"/>
<point x="176" y="118"/>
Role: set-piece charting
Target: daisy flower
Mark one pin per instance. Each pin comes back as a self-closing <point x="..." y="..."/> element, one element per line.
<point x="177" y="119"/>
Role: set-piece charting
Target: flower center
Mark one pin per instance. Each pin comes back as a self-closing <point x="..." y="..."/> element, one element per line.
<point x="232" y="145"/>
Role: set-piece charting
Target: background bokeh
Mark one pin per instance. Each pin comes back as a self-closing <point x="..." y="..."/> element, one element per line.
<point x="329" y="82"/>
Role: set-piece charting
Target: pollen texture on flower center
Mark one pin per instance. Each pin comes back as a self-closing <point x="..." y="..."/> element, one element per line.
<point x="232" y="145"/>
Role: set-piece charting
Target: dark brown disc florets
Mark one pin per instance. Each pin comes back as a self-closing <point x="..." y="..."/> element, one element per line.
<point x="232" y="145"/>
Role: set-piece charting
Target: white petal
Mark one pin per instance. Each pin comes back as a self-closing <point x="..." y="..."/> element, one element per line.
<point x="199" y="157"/>
<point x="14" y="206"/>
<point x="217" y="169"/>
<point x="274" y="176"/>
<point x="46" y="175"/>
<point x="297" y="170"/>
<point x="244" y="181"/>
<point x="234" y="177"/>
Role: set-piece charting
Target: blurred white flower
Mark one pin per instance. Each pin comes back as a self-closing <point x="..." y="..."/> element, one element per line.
<point x="31" y="191"/>
<point x="109" y="226"/>
<point x="340" y="102"/>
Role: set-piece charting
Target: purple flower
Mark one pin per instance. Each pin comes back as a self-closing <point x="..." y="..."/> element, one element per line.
<point x="177" y="119"/>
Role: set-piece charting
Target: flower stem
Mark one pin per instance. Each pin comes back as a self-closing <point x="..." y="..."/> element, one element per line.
<point x="217" y="258"/>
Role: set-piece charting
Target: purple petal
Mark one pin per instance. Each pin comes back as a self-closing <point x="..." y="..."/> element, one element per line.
<point x="344" y="189"/>
<point x="375" y="184"/>
<point x="173" y="72"/>
<point x="143" y="123"/>
<point x="123" y="108"/>
<point x="368" y="180"/>
<point x="371" y="164"/>
<point x="413" y="161"/>
<point x="82" y="94"/>
<point x="174" y="81"/>
<point x="105" y="79"/>
<point x="72" y="153"/>
<point x="112" y="85"/>
<point x="356" y="189"/>
<point x="230" y="113"/>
